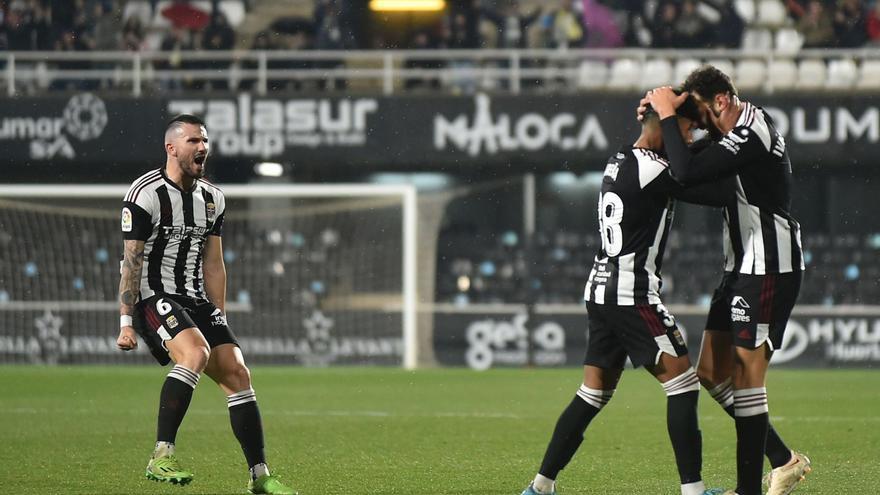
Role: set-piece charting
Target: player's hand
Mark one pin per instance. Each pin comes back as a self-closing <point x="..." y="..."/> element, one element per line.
<point x="643" y="107"/>
<point x="127" y="340"/>
<point x="665" y="101"/>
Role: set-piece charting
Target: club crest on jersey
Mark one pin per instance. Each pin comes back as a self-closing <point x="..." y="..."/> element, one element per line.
<point x="678" y="338"/>
<point x="210" y="211"/>
<point x="171" y="321"/>
<point x="126" y="220"/>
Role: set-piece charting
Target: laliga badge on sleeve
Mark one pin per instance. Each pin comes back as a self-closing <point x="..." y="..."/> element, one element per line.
<point x="126" y="220"/>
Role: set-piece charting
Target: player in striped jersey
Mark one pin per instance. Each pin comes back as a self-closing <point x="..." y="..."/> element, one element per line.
<point x="763" y="265"/>
<point x="173" y="294"/>
<point x="626" y="315"/>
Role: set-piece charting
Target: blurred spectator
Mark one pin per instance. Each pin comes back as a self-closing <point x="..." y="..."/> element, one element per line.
<point x="17" y="30"/>
<point x="133" y="34"/>
<point x="460" y="32"/>
<point x="217" y="36"/>
<point x="601" y="26"/>
<point x="105" y="28"/>
<point x="816" y="26"/>
<point x="849" y="24"/>
<point x="422" y="41"/>
<point x="174" y="42"/>
<point x="512" y="25"/>
<point x="730" y="28"/>
<point x="663" y="31"/>
<point x="690" y="28"/>
<point x="564" y="27"/>
<point x="796" y="8"/>
<point x="330" y="34"/>
<point x="873" y="24"/>
<point x="70" y="42"/>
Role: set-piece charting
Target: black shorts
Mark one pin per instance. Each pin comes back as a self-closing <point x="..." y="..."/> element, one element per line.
<point x="755" y="308"/>
<point x="641" y="332"/>
<point x="161" y="317"/>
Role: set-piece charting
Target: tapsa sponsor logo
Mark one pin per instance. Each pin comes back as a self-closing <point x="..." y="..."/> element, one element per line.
<point x="493" y="341"/>
<point x="490" y="134"/>
<point x="83" y="119"/>
<point x="265" y="128"/>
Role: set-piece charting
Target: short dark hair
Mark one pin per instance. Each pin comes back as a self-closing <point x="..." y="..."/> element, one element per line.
<point x="708" y="81"/>
<point x="184" y="118"/>
<point x="688" y="109"/>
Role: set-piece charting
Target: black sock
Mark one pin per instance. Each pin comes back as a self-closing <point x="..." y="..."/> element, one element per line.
<point x="684" y="433"/>
<point x="174" y="401"/>
<point x="777" y="452"/>
<point x="752" y="420"/>
<point x="569" y="431"/>
<point x="244" y="415"/>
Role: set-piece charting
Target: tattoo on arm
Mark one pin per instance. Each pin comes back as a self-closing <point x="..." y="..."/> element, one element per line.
<point x="130" y="282"/>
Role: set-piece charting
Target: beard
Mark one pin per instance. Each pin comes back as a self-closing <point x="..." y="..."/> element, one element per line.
<point x="193" y="169"/>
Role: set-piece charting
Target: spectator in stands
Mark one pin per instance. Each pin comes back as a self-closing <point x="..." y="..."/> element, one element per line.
<point x="601" y="26"/>
<point x="816" y="26"/>
<point x="460" y="32"/>
<point x="663" y="32"/>
<point x="849" y="24"/>
<point x="174" y="42"/>
<point x="331" y="34"/>
<point x="422" y="41"/>
<point x="217" y="36"/>
<point x="730" y="27"/>
<point x="70" y="42"/>
<point x="17" y="29"/>
<point x="690" y="27"/>
<point x="105" y="27"/>
<point x="512" y="25"/>
<point x="564" y="27"/>
<point x="873" y="24"/>
<point x="133" y="34"/>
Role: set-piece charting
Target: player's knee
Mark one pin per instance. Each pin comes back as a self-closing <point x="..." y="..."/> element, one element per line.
<point x="242" y="376"/>
<point x="197" y="357"/>
<point x="709" y="377"/>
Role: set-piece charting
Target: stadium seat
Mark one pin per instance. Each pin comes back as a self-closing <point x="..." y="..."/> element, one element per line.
<point x="788" y="41"/>
<point x="139" y="9"/>
<point x="592" y="74"/>
<point x="770" y="13"/>
<point x="757" y="40"/>
<point x="750" y="74"/>
<point x="842" y="73"/>
<point x="746" y="10"/>
<point x="657" y="72"/>
<point x="869" y="75"/>
<point x="234" y="11"/>
<point x="811" y="74"/>
<point x="724" y="65"/>
<point x="625" y="73"/>
<point x="783" y="74"/>
<point x="684" y="67"/>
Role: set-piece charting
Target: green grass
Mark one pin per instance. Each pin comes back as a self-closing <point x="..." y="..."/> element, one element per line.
<point x="351" y="431"/>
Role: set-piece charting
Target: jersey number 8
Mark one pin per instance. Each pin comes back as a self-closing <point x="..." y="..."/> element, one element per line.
<point x="610" y="216"/>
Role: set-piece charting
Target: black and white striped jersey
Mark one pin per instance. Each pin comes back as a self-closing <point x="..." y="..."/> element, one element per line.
<point x="760" y="234"/>
<point x="635" y="214"/>
<point x="174" y="225"/>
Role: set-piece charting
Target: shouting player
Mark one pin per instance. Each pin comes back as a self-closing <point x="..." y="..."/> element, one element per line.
<point x="626" y="315"/>
<point x="763" y="265"/>
<point x="173" y="294"/>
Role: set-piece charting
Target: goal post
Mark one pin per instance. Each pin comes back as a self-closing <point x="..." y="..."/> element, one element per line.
<point x="328" y="273"/>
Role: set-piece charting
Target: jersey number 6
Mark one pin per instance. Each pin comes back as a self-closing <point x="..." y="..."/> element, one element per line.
<point x="610" y="216"/>
<point x="163" y="307"/>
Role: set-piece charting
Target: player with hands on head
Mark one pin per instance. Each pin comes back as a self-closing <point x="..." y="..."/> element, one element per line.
<point x="763" y="265"/>
<point x="626" y="316"/>
<point x="172" y="294"/>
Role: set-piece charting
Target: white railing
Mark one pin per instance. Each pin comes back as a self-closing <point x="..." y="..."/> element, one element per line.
<point x="385" y="71"/>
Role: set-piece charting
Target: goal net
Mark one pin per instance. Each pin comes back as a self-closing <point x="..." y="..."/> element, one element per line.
<point x="317" y="274"/>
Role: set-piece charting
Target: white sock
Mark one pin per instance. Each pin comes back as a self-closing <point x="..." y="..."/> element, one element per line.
<point x="163" y="449"/>
<point x="260" y="469"/>
<point x="695" y="488"/>
<point x="543" y="484"/>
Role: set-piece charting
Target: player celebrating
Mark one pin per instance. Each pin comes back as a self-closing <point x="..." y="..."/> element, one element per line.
<point x="763" y="266"/>
<point x="626" y="316"/>
<point x="173" y="291"/>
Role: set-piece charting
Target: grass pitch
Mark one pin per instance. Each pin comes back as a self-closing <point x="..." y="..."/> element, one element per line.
<point x="352" y="431"/>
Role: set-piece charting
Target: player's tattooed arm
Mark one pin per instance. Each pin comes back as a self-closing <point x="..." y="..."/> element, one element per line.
<point x="130" y="282"/>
